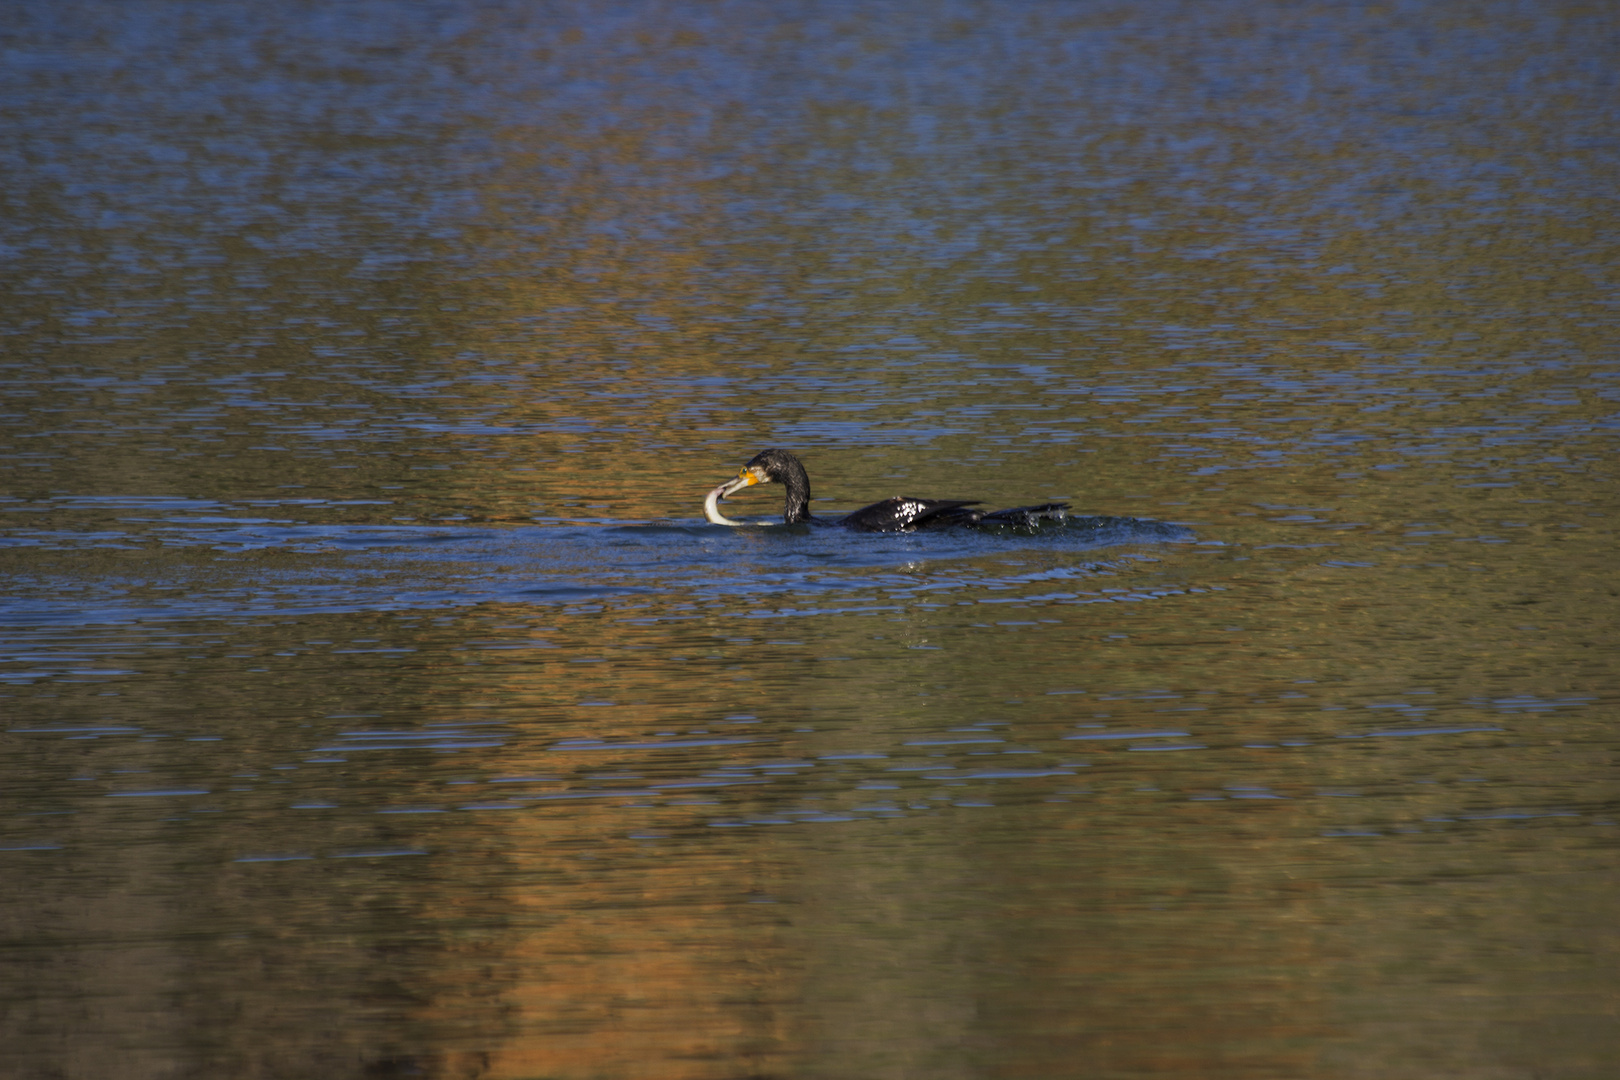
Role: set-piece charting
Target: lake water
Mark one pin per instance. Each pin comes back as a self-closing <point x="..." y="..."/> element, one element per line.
<point x="376" y="702"/>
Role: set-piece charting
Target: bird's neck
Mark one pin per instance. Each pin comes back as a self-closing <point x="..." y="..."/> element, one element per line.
<point x="796" y="506"/>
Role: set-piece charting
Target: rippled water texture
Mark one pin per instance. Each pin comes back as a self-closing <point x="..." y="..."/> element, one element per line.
<point x="375" y="700"/>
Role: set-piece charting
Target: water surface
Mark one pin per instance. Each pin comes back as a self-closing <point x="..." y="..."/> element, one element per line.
<point x="374" y="700"/>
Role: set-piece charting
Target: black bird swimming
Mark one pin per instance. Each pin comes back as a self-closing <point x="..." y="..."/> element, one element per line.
<point x="899" y="514"/>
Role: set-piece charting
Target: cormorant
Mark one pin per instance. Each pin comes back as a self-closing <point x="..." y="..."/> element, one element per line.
<point x="899" y="514"/>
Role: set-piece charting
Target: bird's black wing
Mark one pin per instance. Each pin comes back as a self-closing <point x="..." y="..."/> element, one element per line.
<point x="902" y="513"/>
<point x="1026" y="516"/>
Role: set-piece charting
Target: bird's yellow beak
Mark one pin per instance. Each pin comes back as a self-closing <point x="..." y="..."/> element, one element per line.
<point x="745" y="478"/>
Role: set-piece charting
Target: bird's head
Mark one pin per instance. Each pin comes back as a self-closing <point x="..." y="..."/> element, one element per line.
<point x="766" y="467"/>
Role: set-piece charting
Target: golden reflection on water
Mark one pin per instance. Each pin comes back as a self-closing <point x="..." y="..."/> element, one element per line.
<point x="1328" y="285"/>
<point x="1130" y="921"/>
